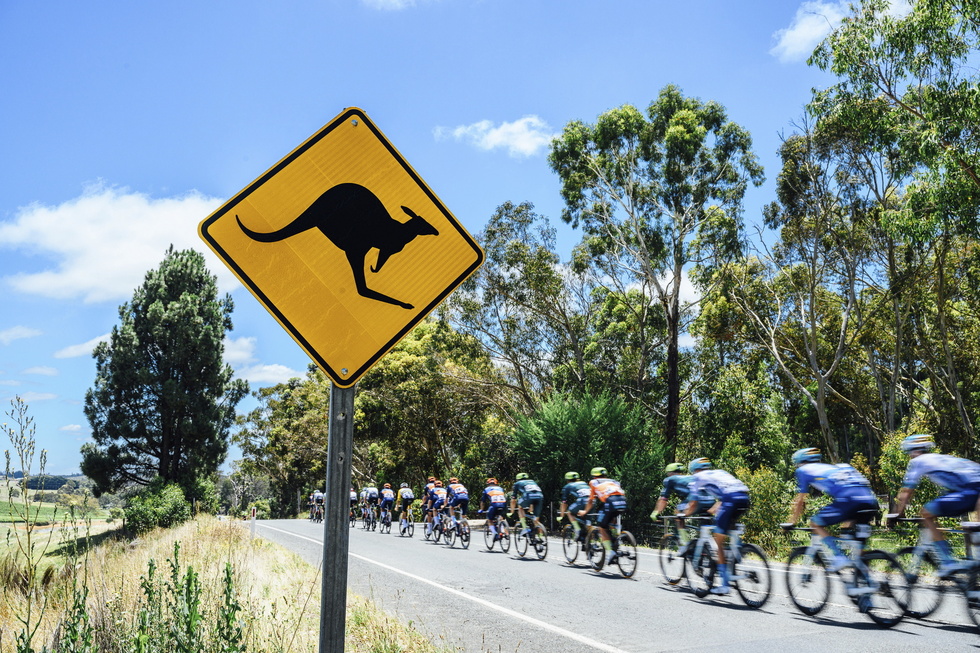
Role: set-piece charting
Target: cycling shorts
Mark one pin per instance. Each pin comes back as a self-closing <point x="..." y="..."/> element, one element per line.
<point x="462" y="503"/>
<point x="954" y="504"/>
<point x="406" y="504"/>
<point x="733" y="506"/>
<point x="387" y="503"/>
<point x="532" y="503"/>
<point x="438" y="504"/>
<point x="372" y="500"/>
<point x="612" y="507"/>
<point x="704" y="505"/>
<point x="844" y="508"/>
<point x="575" y="507"/>
<point x="496" y="510"/>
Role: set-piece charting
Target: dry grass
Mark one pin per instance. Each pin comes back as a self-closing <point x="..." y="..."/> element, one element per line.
<point x="279" y="593"/>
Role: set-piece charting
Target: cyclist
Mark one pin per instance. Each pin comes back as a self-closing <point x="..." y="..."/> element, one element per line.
<point x="732" y="496"/>
<point x="405" y="499"/>
<point x="457" y="496"/>
<point x="371" y="497"/>
<point x="678" y="484"/>
<point x="494" y="502"/>
<point x="574" y="496"/>
<point x="353" y="500"/>
<point x="427" y="503"/>
<point x="610" y="494"/>
<point x="309" y="504"/>
<point x="387" y="499"/>
<point x="437" y="502"/>
<point x="958" y="475"/>
<point x="363" y="501"/>
<point x="317" y="501"/>
<point x="849" y="489"/>
<point x="526" y="495"/>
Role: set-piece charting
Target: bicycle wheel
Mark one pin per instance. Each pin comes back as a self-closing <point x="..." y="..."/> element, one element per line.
<point x="352" y="518"/>
<point x="925" y="587"/>
<point x="374" y="521"/>
<point x="488" y="536"/>
<point x="410" y="526"/>
<point x="595" y="550"/>
<point x="464" y="533"/>
<point x="569" y="545"/>
<point x="807" y="580"/>
<point x="427" y="531"/>
<point x="752" y="579"/>
<point x="671" y="561"/>
<point x="972" y="591"/>
<point x="626" y="558"/>
<point x="449" y="534"/>
<point x="540" y="542"/>
<point x="886" y="606"/>
<point x="701" y="572"/>
<point x="521" y="542"/>
<point x="505" y="534"/>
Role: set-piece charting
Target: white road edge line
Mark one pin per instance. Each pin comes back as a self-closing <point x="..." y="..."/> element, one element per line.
<point x="581" y="639"/>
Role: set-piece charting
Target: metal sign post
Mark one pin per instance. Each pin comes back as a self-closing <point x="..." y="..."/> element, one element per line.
<point x="336" y="533"/>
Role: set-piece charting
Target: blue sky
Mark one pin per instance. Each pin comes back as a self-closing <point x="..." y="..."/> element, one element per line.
<point x="124" y="124"/>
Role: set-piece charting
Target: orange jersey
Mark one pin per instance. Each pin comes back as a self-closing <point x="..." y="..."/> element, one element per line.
<point x="603" y="488"/>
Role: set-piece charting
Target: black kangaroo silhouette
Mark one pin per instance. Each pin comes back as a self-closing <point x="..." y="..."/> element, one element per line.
<point x="355" y="220"/>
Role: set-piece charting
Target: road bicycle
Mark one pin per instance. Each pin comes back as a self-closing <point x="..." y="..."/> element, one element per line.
<point x="370" y="519"/>
<point x="748" y="567"/>
<point x="623" y="546"/>
<point x="318" y="513"/>
<point x="873" y="579"/>
<point x="458" y="531"/>
<point x="536" y="537"/>
<point x="352" y="517"/>
<point x="408" y="528"/>
<point x="921" y="565"/>
<point x="673" y="561"/>
<point x="571" y="543"/>
<point x="386" y="520"/>
<point x="502" y="536"/>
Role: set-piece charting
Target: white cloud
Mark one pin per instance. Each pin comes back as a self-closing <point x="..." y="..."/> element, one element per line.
<point x="72" y="428"/>
<point x="30" y="397"/>
<point x="84" y="349"/>
<point x="240" y="354"/>
<point x="9" y="382"/>
<point x="814" y="20"/>
<point x="41" y="370"/>
<point x="524" y="137"/>
<point x="7" y="336"/>
<point x="104" y="241"/>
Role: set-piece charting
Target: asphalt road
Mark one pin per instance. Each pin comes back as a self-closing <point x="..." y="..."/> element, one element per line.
<point x="482" y="602"/>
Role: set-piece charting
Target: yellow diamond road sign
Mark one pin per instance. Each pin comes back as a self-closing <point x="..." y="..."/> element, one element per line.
<point x="344" y="244"/>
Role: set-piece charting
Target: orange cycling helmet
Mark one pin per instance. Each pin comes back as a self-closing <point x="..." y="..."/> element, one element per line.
<point x="491" y="481"/>
<point x="438" y="483"/>
<point x="454" y="480"/>
<point x="388" y="485"/>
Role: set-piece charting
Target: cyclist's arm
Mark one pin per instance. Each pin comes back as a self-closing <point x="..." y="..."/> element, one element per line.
<point x="798" y="504"/>
<point x="661" y="504"/>
<point x="904" y="496"/>
<point x="562" y="509"/>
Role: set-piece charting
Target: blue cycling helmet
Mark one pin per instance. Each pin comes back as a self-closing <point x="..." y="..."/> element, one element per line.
<point x="808" y="455"/>
<point x="698" y="464"/>
<point x="918" y="442"/>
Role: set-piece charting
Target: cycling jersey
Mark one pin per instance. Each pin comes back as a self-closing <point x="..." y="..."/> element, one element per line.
<point x="678" y="486"/>
<point x="438" y="497"/>
<point x="836" y="481"/>
<point x="950" y="472"/>
<point x="318" y="497"/>
<point x="605" y="489"/>
<point x="371" y="493"/>
<point x="527" y="489"/>
<point x="493" y="495"/>
<point x="575" y="492"/>
<point x="353" y="497"/>
<point x="717" y="483"/>
<point x="388" y="494"/>
<point x="457" y="491"/>
<point x="406" y="493"/>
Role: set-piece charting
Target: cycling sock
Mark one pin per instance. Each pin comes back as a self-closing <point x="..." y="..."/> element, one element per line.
<point x="607" y="545"/>
<point x="725" y="577"/>
<point x="944" y="550"/>
<point x="684" y="536"/>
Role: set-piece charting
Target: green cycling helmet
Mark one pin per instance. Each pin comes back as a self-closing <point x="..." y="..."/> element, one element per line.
<point x="599" y="471"/>
<point x="571" y="476"/>
<point x="674" y="467"/>
<point x="522" y="476"/>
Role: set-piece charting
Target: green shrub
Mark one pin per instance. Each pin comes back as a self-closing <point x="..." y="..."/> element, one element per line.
<point x="262" y="509"/>
<point x="771" y="496"/>
<point x="157" y="505"/>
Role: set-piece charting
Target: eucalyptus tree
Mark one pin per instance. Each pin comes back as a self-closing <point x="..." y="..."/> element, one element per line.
<point x="644" y="187"/>
<point x="163" y="400"/>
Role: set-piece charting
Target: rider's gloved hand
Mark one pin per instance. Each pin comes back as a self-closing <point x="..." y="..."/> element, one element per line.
<point x="654" y="515"/>
<point x="510" y="515"/>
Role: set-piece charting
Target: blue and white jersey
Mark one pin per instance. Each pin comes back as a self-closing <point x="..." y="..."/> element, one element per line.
<point x="949" y="472"/>
<point x="716" y="483"/>
<point x="836" y="481"/>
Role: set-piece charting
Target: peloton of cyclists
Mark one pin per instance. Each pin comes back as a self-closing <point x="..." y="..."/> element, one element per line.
<point x="678" y="484"/>
<point x="457" y="496"/>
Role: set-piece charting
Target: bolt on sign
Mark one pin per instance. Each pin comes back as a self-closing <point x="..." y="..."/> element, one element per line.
<point x="344" y="244"/>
